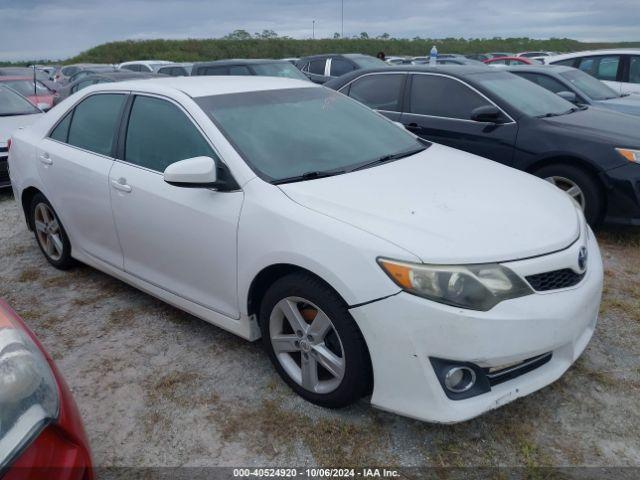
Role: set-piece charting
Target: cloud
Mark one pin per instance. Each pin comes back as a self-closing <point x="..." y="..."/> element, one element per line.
<point x="54" y="29"/>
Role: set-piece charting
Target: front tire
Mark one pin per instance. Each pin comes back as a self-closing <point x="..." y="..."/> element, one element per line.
<point x="50" y="234"/>
<point x="579" y="185"/>
<point x="313" y="342"/>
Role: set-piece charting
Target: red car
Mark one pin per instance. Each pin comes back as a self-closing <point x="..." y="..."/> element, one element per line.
<point x="511" y="61"/>
<point x="41" y="96"/>
<point x="41" y="432"/>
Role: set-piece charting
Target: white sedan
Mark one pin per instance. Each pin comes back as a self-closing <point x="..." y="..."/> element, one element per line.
<point x="369" y="262"/>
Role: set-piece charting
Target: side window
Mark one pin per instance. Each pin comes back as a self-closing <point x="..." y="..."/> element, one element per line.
<point x="569" y="62"/>
<point x="381" y="92"/>
<point x="214" y="71"/>
<point x="317" y="66"/>
<point x="603" y="68"/>
<point x="239" y="70"/>
<point x="61" y="131"/>
<point x="443" y="97"/>
<point x="545" y="81"/>
<point x="634" y="69"/>
<point x="95" y="121"/>
<point x="133" y="67"/>
<point x="340" y="66"/>
<point x="84" y="84"/>
<point x="160" y="134"/>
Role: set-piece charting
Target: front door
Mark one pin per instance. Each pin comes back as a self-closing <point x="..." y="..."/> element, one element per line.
<point x="180" y="239"/>
<point x="439" y="109"/>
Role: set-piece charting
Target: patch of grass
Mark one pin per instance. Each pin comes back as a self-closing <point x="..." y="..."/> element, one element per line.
<point x="272" y="429"/>
<point x="29" y="274"/>
<point x="121" y="318"/>
<point x="55" y="282"/>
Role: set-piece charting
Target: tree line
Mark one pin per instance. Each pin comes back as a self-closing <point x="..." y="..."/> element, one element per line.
<point x="268" y="44"/>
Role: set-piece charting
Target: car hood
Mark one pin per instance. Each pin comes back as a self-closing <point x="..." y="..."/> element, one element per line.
<point x="447" y="206"/>
<point x="8" y="125"/>
<point x="629" y="105"/>
<point x="596" y="123"/>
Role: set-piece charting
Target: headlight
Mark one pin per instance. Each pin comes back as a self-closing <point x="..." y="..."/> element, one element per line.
<point x="28" y="390"/>
<point x="629" y="154"/>
<point x="476" y="287"/>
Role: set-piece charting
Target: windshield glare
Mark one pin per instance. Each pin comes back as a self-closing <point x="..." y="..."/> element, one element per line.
<point x="284" y="69"/>
<point x="592" y="87"/>
<point x="289" y="132"/>
<point x="523" y="95"/>
<point x="13" y="104"/>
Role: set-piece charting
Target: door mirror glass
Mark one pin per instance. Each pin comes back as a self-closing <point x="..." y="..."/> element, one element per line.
<point x="486" y="113"/>
<point x="192" y="172"/>
<point x="568" y="96"/>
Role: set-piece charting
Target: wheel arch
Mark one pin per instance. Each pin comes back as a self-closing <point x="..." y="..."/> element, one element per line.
<point x="566" y="159"/>
<point x="268" y="275"/>
<point x="26" y="198"/>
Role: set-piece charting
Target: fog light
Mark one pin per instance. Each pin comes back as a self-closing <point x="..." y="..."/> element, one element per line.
<point x="459" y="379"/>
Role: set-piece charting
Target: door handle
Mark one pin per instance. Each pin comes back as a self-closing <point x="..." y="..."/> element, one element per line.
<point x="44" y="158"/>
<point x="412" y="126"/>
<point x="121" y="184"/>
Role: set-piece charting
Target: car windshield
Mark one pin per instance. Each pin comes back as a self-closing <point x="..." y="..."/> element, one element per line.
<point x="364" y="61"/>
<point x="25" y="87"/>
<point x="592" y="87"/>
<point x="288" y="133"/>
<point x="523" y="95"/>
<point x="281" y="69"/>
<point x="13" y="104"/>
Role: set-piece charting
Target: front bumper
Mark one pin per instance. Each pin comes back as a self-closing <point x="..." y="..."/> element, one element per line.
<point x="623" y="195"/>
<point x="403" y="331"/>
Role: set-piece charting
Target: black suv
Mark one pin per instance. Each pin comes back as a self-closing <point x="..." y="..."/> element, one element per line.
<point x="593" y="154"/>
<point x="321" y="68"/>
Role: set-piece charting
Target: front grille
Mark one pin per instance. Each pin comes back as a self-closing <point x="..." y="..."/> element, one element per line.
<point x="513" y="371"/>
<point x="543" y="282"/>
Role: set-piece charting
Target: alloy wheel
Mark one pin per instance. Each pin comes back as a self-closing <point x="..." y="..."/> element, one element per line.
<point x="48" y="231"/>
<point x="570" y="188"/>
<point x="307" y="345"/>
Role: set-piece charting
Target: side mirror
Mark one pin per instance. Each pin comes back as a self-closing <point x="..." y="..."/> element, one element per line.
<point x="43" y="106"/>
<point x="399" y="125"/>
<point x="568" y="96"/>
<point x="196" y="172"/>
<point x="486" y="114"/>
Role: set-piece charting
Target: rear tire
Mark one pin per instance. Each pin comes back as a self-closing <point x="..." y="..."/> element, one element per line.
<point x="580" y="185"/>
<point x="313" y="342"/>
<point x="50" y="233"/>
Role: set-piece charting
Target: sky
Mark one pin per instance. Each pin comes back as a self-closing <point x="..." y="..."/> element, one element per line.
<point x="58" y="29"/>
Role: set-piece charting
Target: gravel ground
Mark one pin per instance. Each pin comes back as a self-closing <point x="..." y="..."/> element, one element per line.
<point x="158" y="387"/>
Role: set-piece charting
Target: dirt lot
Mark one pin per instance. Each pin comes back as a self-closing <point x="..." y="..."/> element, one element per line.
<point x="158" y="387"/>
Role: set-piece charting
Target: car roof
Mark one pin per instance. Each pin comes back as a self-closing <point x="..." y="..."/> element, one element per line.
<point x="460" y="71"/>
<point x="585" y="53"/>
<point x="237" y="61"/>
<point x="145" y="62"/>
<point x="202" y="86"/>
<point x="539" y="68"/>
<point x="119" y="75"/>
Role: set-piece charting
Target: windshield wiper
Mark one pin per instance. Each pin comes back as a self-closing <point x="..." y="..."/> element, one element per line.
<point x="387" y="158"/>
<point x="308" y="176"/>
<point x="555" y="114"/>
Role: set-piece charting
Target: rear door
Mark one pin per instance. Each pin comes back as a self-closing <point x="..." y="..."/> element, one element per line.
<point x="180" y="239"/>
<point x="383" y="92"/>
<point x="438" y="108"/>
<point x="74" y="164"/>
<point x="316" y="70"/>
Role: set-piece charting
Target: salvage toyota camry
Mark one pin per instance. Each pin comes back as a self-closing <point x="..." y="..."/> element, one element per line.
<point x="370" y="262"/>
